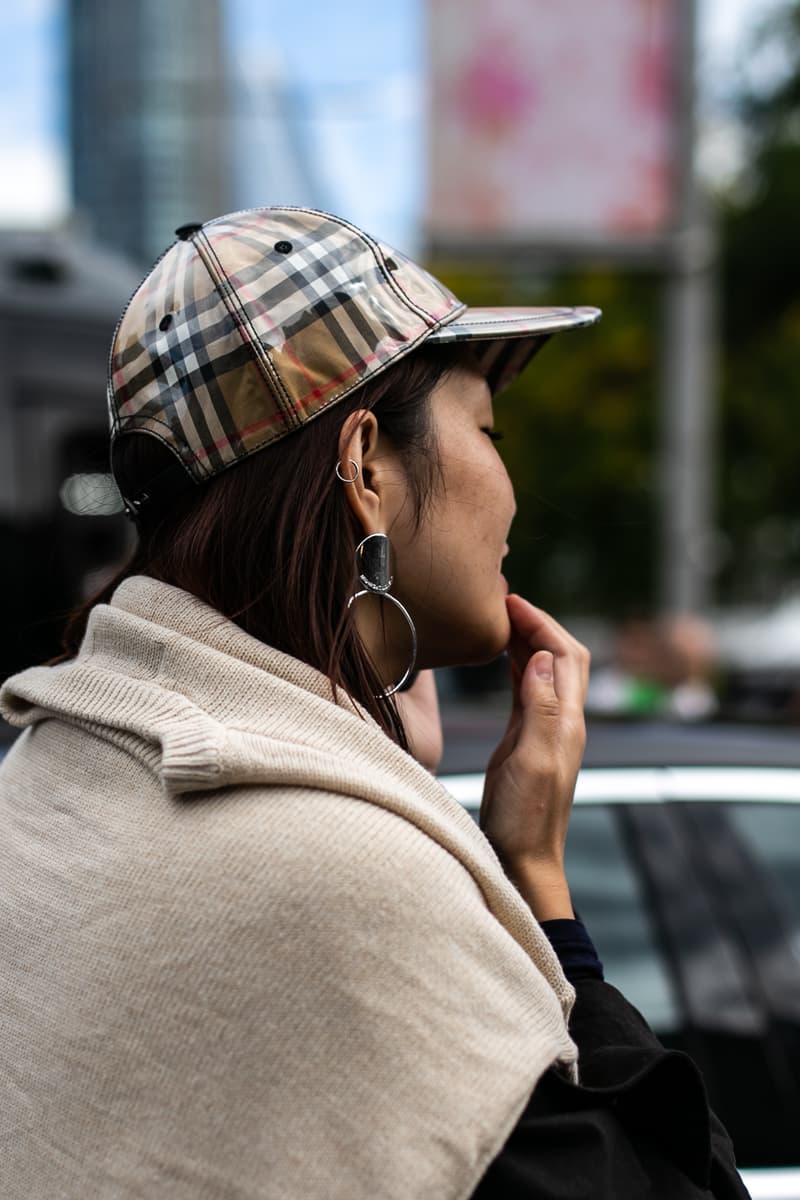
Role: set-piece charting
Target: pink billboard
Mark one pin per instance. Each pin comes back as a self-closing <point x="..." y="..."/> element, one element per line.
<point x="552" y="118"/>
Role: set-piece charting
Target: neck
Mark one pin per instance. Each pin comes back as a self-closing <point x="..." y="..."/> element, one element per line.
<point x="386" y="635"/>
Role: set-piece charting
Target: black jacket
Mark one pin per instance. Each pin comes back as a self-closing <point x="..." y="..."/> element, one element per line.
<point x="637" y="1126"/>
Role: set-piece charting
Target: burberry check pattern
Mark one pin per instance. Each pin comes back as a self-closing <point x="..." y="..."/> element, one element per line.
<point x="259" y="320"/>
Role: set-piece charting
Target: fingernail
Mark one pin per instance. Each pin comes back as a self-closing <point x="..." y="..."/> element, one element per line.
<point x="543" y="665"/>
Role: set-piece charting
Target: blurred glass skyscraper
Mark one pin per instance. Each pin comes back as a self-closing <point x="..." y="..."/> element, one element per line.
<point x="148" y="109"/>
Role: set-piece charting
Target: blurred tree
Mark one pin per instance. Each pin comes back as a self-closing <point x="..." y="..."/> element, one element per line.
<point x="760" y="245"/>
<point x="580" y="427"/>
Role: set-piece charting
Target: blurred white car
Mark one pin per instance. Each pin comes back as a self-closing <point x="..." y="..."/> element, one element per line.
<point x="688" y="878"/>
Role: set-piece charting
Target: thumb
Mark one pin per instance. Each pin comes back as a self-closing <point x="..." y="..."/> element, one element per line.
<point x="537" y="690"/>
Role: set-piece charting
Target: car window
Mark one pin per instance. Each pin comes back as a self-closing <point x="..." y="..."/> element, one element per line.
<point x="607" y="894"/>
<point x="771" y="833"/>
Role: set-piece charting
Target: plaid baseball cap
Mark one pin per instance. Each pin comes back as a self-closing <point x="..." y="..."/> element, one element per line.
<point x="252" y="324"/>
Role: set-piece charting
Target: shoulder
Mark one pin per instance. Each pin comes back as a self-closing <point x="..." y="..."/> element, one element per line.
<point x="346" y="850"/>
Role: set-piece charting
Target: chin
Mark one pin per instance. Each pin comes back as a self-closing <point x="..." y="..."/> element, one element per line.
<point x="493" y="639"/>
<point x="466" y="643"/>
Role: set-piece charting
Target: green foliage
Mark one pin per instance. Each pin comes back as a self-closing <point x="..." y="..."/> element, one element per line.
<point x="760" y="425"/>
<point x="580" y="430"/>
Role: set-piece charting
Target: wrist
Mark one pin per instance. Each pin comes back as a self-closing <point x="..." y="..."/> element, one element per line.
<point x="543" y="887"/>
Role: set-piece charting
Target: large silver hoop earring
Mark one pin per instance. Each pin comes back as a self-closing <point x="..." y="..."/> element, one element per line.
<point x="339" y="474"/>
<point x="374" y="564"/>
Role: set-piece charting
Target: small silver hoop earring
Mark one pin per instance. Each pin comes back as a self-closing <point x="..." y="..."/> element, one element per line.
<point x="339" y="474"/>
<point x="374" y="563"/>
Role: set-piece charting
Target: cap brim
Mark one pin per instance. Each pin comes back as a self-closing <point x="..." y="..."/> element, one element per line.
<point x="506" y="339"/>
<point x="484" y="324"/>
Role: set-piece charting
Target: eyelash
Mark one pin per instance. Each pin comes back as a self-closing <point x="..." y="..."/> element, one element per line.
<point x="495" y="434"/>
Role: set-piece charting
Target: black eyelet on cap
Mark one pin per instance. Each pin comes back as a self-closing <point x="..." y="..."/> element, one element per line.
<point x="165" y="322"/>
<point x="184" y="232"/>
<point x="283" y="247"/>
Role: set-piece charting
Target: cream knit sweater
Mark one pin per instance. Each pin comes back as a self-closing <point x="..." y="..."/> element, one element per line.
<point x="248" y="946"/>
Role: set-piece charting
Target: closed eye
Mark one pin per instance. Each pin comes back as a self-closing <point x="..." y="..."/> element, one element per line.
<point x="495" y="434"/>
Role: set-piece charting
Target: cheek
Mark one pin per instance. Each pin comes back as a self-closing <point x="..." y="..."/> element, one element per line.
<point x="470" y="530"/>
<point x="494" y="504"/>
<point x="451" y="578"/>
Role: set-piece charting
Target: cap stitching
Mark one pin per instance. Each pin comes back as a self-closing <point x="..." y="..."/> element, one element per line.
<point x="253" y="342"/>
<point x="432" y="323"/>
<point x="112" y="410"/>
<point x="391" y="279"/>
<point x="270" y="438"/>
<point x="230" y="300"/>
<point x="409" y="346"/>
<point x="373" y="246"/>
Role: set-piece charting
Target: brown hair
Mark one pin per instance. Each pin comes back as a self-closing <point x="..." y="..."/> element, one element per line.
<point x="248" y="543"/>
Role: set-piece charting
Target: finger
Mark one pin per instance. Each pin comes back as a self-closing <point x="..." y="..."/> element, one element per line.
<point x="511" y="731"/>
<point x="519" y="648"/>
<point x="552" y="737"/>
<point x="516" y="682"/>
<point x="515" y="716"/>
<point x="534" y="629"/>
<point x="538" y="628"/>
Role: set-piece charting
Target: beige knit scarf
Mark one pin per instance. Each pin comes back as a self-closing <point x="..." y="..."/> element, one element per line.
<point x="249" y="947"/>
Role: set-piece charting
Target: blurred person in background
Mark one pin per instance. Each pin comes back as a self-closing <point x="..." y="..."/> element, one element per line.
<point x="690" y="666"/>
<point x="630" y="684"/>
<point x="250" y="945"/>
<point x="662" y="667"/>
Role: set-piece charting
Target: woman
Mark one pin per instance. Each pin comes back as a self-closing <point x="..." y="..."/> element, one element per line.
<point x="251" y="948"/>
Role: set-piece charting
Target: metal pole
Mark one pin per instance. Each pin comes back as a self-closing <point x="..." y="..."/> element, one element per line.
<point x="686" y="451"/>
<point x="686" y="467"/>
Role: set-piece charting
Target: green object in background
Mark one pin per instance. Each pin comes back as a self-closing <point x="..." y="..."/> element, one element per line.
<point x="644" y="698"/>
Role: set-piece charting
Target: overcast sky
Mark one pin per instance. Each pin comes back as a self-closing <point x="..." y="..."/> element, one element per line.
<point x="340" y="50"/>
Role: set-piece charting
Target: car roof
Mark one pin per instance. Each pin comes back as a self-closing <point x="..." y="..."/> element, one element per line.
<point x="654" y="785"/>
<point x="472" y="733"/>
<point x="664" y="744"/>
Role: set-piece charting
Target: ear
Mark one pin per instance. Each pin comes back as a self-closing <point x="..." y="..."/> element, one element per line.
<point x="359" y="451"/>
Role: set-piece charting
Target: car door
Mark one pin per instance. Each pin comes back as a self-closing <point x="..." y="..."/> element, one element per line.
<point x="693" y="905"/>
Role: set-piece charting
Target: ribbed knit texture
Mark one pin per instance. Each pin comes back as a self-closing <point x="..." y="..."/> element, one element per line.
<point x="248" y="946"/>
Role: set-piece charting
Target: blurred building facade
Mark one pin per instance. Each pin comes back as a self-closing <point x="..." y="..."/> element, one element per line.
<point x="59" y="301"/>
<point x="148" y="105"/>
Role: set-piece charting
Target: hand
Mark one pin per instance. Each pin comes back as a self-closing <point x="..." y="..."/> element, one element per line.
<point x="419" y="712"/>
<point x="530" y="779"/>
